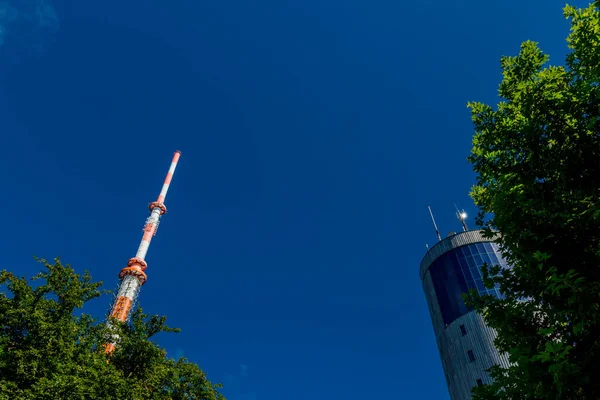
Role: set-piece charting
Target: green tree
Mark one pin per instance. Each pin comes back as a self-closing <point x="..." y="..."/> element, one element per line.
<point x="537" y="160"/>
<point x="48" y="352"/>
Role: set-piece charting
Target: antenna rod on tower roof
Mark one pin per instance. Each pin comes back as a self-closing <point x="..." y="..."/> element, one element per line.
<point x="437" y="232"/>
<point x="462" y="216"/>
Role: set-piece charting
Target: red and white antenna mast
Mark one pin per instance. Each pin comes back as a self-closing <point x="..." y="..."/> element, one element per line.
<point x="133" y="276"/>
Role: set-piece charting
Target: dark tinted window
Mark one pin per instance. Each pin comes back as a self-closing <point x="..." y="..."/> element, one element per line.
<point x="480" y="248"/>
<point x="471" y="355"/>
<point x="463" y="330"/>
<point x="479" y="382"/>
<point x="449" y="283"/>
<point x="487" y="260"/>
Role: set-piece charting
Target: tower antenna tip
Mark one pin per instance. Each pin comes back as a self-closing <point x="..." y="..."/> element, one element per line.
<point x="437" y="232"/>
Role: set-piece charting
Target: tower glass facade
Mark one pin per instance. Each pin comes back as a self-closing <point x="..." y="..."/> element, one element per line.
<point x="459" y="271"/>
<point x="449" y="269"/>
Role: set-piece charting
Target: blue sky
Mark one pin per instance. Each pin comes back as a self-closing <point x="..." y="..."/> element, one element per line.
<point x="314" y="135"/>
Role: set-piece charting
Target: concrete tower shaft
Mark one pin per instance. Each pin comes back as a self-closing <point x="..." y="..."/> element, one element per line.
<point x="465" y="342"/>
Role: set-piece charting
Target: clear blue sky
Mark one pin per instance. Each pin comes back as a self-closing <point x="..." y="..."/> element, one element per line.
<point x="314" y="134"/>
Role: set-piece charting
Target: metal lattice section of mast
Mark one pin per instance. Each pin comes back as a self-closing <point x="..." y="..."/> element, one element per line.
<point x="132" y="277"/>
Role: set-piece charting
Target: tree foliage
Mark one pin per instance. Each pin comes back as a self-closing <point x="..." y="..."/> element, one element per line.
<point x="537" y="160"/>
<point x="48" y="352"/>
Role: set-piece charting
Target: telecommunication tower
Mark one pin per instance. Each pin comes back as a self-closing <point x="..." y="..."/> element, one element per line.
<point x="132" y="277"/>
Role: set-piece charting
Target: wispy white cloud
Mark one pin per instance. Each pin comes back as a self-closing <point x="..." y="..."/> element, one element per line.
<point x="46" y="16"/>
<point x="8" y="15"/>
<point x="37" y="19"/>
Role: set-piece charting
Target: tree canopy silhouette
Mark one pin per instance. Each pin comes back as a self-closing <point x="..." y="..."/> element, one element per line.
<point x="47" y="352"/>
<point x="537" y="160"/>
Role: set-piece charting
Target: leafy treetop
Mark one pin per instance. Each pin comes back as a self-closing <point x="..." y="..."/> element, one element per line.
<point x="537" y="160"/>
<point x="46" y="352"/>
